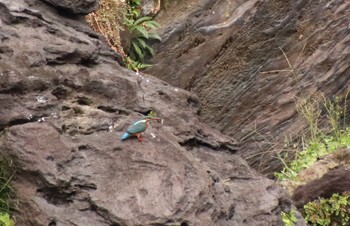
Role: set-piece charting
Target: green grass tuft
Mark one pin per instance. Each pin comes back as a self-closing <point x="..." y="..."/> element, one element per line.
<point x="6" y="192"/>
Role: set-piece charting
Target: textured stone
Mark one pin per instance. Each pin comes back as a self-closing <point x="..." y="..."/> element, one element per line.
<point x="75" y="6"/>
<point x="229" y="54"/>
<point x="65" y="102"/>
<point x="336" y="180"/>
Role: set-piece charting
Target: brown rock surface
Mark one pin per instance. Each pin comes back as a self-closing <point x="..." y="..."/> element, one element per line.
<point x="336" y="180"/>
<point x="229" y="54"/>
<point x="64" y="104"/>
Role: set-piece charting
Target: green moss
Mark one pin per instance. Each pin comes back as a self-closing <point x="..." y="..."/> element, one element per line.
<point x="5" y="220"/>
<point x="290" y="218"/>
<point x="332" y="211"/>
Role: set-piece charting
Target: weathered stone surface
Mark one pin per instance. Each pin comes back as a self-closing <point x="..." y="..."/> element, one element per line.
<point x="75" y="6"/>
<point x="336" y="180"/>
<point x="150" y="7"/>
<point x="229" y="54"/>
<point x="64" y="104"/>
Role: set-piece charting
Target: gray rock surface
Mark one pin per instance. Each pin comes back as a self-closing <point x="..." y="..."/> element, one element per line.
<point x="150" y="7"/>
<point x="229" y="54"/>
<point x="65" y="102"/>
<point x="75" y="6"/>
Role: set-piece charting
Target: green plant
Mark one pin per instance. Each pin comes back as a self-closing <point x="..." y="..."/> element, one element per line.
<point x="335" y="211"/>
<point x="5" y="188"/>
<point x="116" y="18"/>
<point x="311" y="152"/>
<point x="311" y="111"/>
<point x="141" y="31"/>
<point x="152" y="114"/>
<point x="319" y="144"/>
<point x="290" y="218"/>
<point x="5" y="192"/>
<point x="335" y="113"/>
<point x="5" y="220"/>
<point x="135" y="65"/>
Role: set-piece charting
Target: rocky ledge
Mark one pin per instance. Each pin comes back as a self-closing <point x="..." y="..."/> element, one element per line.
<point x="65" y="101"/>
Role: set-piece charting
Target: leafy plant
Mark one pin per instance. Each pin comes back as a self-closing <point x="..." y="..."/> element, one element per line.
<point x="5" y="220"/>
<point x="5" y="193"/>
<point x="140" y="32"/>
<point x="135" y="65"/>
<point x="289" y="219"/>
<point x="320" y="144"/>
<point x="313" y="150"/>
<point x="113" y="17"/>
<point x="324" y="212"/>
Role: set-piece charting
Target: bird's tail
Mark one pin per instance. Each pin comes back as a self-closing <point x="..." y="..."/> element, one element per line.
<point x="125" y="135"/>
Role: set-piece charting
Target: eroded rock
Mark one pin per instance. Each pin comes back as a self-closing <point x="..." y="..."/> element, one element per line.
<point x="336" y="180"/>
<point x="65" y="102"/>
<point x="230" y="54"/>
<point x="75" y="6"/>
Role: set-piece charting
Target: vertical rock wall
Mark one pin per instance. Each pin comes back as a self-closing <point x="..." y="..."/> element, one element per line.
<point x="230" y="54"/>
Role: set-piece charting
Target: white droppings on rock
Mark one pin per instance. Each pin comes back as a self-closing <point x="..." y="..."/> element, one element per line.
<point x="110" y="128"/>
<point x="55" y="115"/>
<point x="41" y="99"/>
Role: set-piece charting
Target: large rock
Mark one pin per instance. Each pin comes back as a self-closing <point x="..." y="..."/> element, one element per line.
<point x="327" y="176"/>
<point x="229" y="54"/>
<point x="75" y="6"/>
<point x="65" y="102"/>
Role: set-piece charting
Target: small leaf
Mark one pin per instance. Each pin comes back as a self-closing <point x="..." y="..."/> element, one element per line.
<point x="142" y="30"/>
<point x="141" y="42"/>
<point x="152" y="24"/>
<point x="154" y="36"/>
<point x="138" y="51"/>
<point x="150" y="49"/>
<point x="143" y="66"/>
<point x="142" y="19"/>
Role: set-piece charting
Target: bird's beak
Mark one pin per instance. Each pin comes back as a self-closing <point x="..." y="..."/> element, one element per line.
<point x="158" y="119"/>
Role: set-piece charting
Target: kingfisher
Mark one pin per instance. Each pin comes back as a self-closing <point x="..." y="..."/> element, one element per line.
<point x="138" y="127"/>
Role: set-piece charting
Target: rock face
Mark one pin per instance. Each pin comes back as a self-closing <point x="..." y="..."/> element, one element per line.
<point x="64" y="104"/>
<point x="328" y="176"/>
<point x="334" y="181"/>
<point x="75" y="6"/>
<point x="231" y="54"/>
